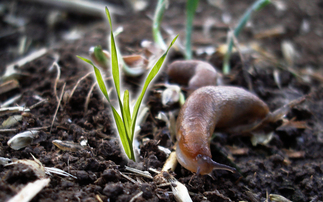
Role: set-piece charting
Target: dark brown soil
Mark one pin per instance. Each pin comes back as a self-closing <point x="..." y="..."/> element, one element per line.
<point x="264" y="169"/>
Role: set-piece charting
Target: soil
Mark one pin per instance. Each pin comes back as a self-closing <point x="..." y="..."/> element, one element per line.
<point x="289" y="165"/>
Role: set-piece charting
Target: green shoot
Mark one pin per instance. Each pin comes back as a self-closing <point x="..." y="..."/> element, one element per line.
<point x="256" y="6"/>
<point x="191" y="6"/>
<point x="102" y="58"/>
<point x="159" y="12"/>
<point x="126" y="122"/>
<point x="133" y="72"/>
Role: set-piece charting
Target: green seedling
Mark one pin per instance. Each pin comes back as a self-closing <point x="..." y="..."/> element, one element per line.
<point x="102" y="58"/>
<point x="191" y="6"/>
<point x="126" y="122"/>
<point x="159" y="12"/>
<point x="132" y="72"/>
<point x="256" y="6"/>
<point x="98" y="56"/>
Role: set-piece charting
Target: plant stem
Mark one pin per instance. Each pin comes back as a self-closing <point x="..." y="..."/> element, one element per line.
<point x="191" y="6"/>
<point x="256" y="6"/>
<point x="159" y="12"/>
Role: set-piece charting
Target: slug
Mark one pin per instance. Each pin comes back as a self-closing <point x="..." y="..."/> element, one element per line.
<point x="194" y="74"/>
<point x="224" y="108"/>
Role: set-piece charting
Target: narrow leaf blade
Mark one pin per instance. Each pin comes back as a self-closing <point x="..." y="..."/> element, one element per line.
<point x="126" y="110"/>
<point x="191" y="6"/>
<point x="98" y="76"/>
<point x="159" y="12"/>
<point x="126" y="142"/>
<point x="116" y="80"/>
<point x="114" y="57"/>
<point x="149" y="78"/>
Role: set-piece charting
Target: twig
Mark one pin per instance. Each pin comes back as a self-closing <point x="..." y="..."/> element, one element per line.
<point x="216" y="192"/>
<point x="128" y="178"/>
<point x="28" y="58"/>
<point x="136" y="196"/>
<point x="57" y="78"/>
<point x="77" y="83"/>
<point x="8" y="130"/>
<point x="58" y="104"/>
<point x="15" y="129"/>
<point x="10" y="101"/>
<point x="139" y="172"/>
<point x="84" y="7"/>
<point x="88" y="98"/>
<point x="244" y="68"/>
<point x="38" y="103"/>
<point x="8" y="110"/>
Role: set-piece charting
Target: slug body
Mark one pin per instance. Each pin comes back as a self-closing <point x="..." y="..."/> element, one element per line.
<point x="193" y="73"/>
<point x="214" y="107"/>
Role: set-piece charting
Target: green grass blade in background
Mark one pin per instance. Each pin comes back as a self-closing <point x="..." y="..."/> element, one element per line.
<point x="159" y="12"/>
<point x="153" y="72"/>
<point x="256" y="6"/>
<point x="191" y="6"/>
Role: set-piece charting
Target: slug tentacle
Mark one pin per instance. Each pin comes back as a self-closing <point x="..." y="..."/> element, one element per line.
<point x="203" y="161"/>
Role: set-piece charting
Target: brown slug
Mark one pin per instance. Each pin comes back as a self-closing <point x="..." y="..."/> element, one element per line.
<point x="223" y="108"/>
<point x="194" y="74"/>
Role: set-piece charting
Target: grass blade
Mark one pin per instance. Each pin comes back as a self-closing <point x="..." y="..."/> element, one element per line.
<point x="150" y="76"/>
<point x="256" y="6"/>
<point x="114" y="58"/>
<point x="125" y="123"/>
<point x="133" y="72"/>
<point x="191" y="6"/>
<point x="98" y="77"/>
<point x="116" y="80"/>
<point x="126" y="109"/>
<point x="159" y="12"/>
<point x="125" y="139"/>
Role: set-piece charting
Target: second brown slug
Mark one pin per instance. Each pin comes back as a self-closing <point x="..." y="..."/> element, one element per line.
<point x="229" y="109"/>
<point x="194" y="74"/>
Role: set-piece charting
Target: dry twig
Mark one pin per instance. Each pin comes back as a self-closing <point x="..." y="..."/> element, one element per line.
<point x="57" y="79"/>
<point x="77" y="83"/>
<point x="58" y="104"/>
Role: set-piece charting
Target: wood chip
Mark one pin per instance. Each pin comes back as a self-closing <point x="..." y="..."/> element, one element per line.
<point x="8" y="86"/>
<point x="238" y="151"/>
<point x="294" y="154"/>
<point x="29" y="191"/>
